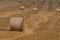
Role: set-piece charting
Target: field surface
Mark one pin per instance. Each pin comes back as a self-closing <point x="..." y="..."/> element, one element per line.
<point x="40" y="24"/>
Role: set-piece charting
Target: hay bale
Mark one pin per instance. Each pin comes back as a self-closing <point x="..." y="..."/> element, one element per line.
<point x="22" y="7"/>
<point x="57" y="9"/>
<point x="35" y="9"/>
<point x="16" y="23"/>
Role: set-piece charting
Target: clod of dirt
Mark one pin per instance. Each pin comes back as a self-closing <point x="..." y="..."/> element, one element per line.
<point x="20" y="1"/>
<point x="1" y="0"/>
<point x="57" y="9"/>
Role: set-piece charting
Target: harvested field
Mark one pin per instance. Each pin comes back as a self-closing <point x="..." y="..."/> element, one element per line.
<point x="40" y="24"/>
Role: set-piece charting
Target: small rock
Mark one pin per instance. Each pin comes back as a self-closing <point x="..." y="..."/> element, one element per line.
<point x="57" y="9"/>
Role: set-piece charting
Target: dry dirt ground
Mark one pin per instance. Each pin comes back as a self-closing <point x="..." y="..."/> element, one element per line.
<point x="38" y="25"/>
